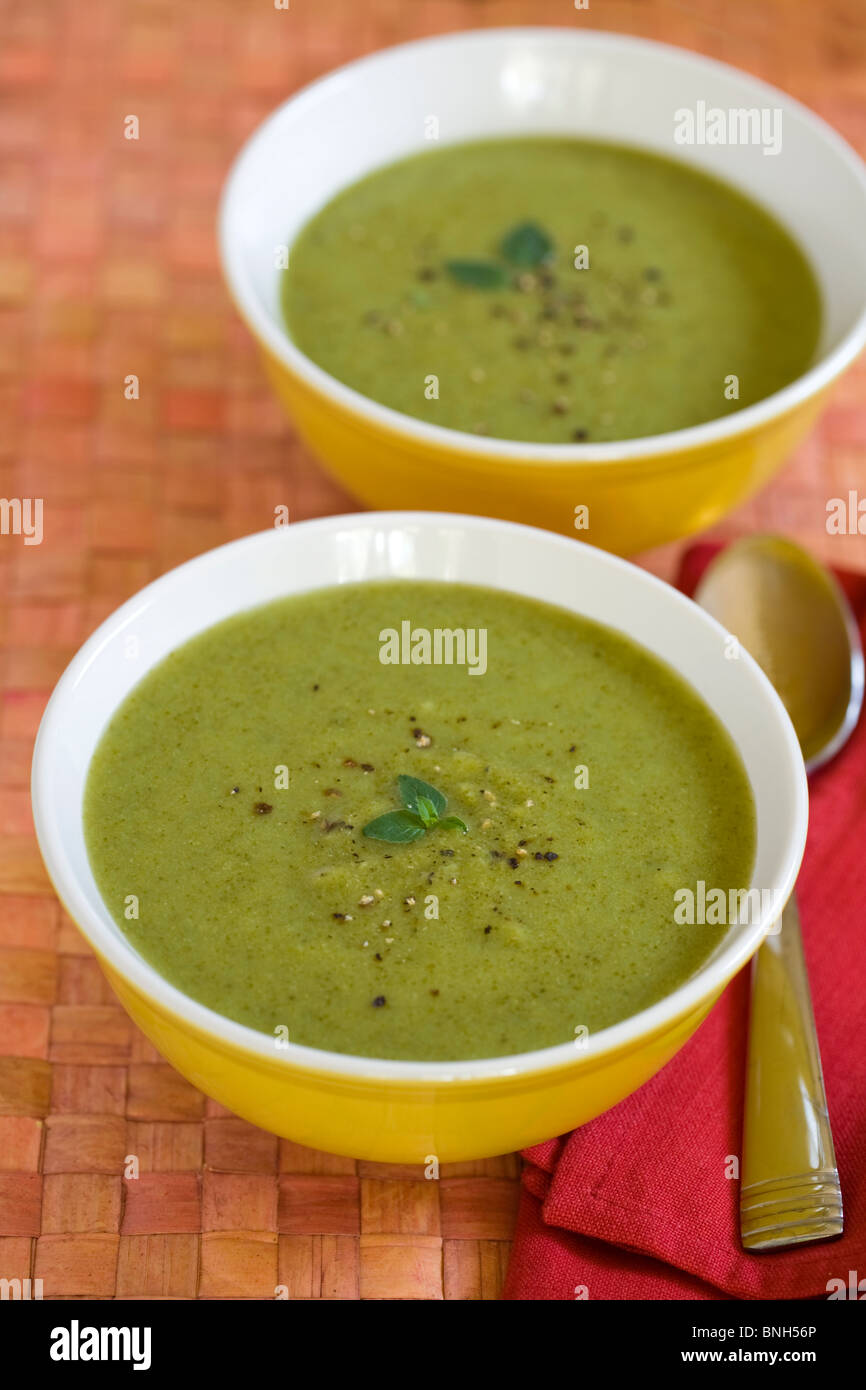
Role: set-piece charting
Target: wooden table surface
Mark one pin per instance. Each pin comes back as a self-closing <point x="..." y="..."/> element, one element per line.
<point x="108" y="267"/>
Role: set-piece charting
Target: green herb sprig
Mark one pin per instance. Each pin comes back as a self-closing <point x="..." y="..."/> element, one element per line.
<point x="422" y="810"/>
<point x="482" y="275"/>
<point x="525" y="247"/>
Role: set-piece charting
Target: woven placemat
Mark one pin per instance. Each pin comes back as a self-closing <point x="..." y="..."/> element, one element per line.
<point x="108" y="268"/>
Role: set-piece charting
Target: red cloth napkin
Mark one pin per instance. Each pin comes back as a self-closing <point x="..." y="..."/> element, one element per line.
<point x="635" y="1205"/>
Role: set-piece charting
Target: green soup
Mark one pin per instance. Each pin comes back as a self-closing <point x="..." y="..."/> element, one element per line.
<point x="551" y="290"/>
<point x="226" y="803"/>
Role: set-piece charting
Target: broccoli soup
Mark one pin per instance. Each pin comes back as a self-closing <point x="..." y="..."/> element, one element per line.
<point x="416" y="820"/>
<point x="551" y="290"/>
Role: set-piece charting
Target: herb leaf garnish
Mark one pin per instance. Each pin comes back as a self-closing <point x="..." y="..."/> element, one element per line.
<point x="397" y="827"/>
<point x="526" y="245"/>
<point x="422" y="811"/>
<point x="483" y="275"/>
<point x="412" y="788"/>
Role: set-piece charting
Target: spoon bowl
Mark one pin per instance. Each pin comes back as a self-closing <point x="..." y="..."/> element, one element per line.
<point x="793" y="618"/>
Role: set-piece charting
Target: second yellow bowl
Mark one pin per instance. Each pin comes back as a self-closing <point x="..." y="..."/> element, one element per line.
<point x="638" y="493"/>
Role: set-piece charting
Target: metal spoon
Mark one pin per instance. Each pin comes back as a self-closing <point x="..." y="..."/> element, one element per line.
<point x="793" y="618"/>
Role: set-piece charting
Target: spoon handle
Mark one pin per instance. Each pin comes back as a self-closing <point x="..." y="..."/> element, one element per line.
<point x="790" y="1191"/>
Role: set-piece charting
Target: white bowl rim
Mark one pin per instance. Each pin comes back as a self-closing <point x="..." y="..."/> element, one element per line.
<point x="646" y="448"/>
<point x="147" y="981"/>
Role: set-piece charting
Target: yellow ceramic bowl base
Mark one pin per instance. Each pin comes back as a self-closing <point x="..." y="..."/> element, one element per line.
<point x="632" y="506"/>
<point x="394" y="1122"/>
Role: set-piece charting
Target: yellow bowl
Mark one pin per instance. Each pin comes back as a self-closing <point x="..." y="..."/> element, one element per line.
<point x="639" y="493"/>
<point x="407" y="1111"/>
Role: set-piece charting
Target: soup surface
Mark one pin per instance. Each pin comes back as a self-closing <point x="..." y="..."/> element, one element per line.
<point x="551" y="290"/>
<point x="226" y="803"/>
